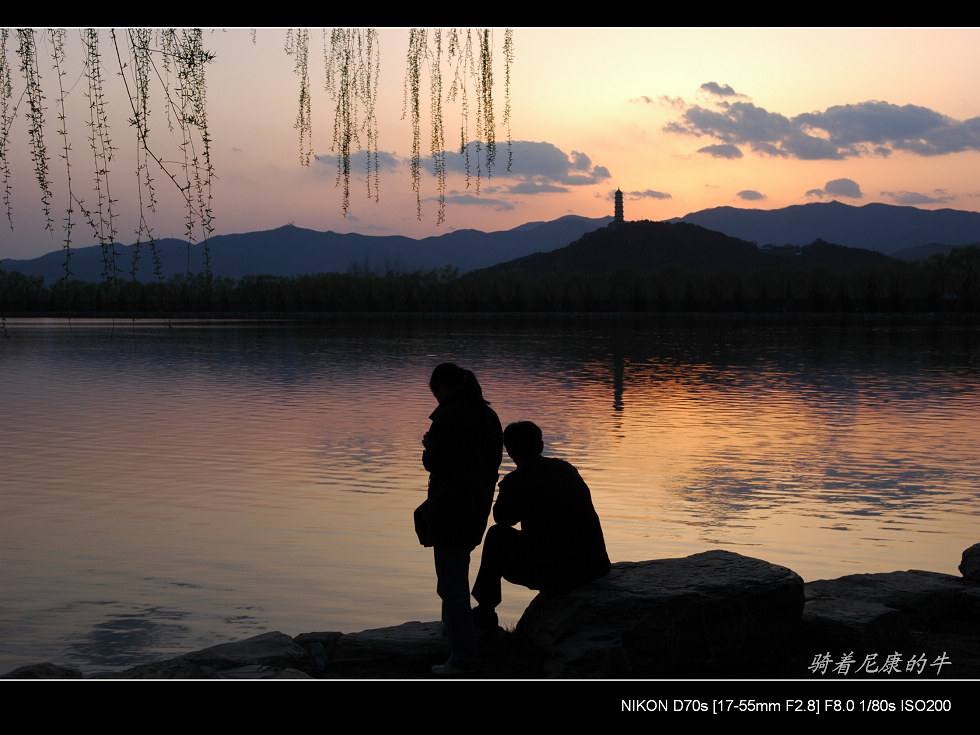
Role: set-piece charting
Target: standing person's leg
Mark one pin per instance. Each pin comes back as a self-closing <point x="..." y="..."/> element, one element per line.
<point x="452" y="571"/>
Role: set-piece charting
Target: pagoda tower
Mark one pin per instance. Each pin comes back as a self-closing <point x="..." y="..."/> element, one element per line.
<point x="618" y="212"/>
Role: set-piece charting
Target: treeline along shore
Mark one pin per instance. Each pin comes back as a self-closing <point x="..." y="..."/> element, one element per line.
<point x="945" y="282"/>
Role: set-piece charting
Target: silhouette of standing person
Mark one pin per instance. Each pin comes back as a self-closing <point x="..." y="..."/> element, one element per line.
<point x="462" y="452"/>
<point x="560" y="544"/>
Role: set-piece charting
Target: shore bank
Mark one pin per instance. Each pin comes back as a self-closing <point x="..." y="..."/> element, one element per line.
<point x="710" y="615"/>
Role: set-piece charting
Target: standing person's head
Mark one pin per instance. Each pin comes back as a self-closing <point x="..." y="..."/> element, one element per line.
<point x="523" y="441"/>
<point x="450" y="378"/>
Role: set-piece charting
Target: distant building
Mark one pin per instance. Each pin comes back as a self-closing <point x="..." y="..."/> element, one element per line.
<point x="618" y="212"/>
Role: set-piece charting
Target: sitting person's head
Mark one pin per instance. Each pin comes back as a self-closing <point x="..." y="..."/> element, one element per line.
<point x="523" y="441"/>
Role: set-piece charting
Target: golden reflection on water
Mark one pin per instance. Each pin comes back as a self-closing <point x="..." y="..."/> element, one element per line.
<point x="764" y="464"/>
<point x="197" y="484"/>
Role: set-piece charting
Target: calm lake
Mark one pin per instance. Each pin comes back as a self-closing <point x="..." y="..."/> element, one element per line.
<point x="165" y="487"/>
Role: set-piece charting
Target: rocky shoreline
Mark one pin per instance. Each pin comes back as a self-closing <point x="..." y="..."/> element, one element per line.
<point x="711" y="615"/>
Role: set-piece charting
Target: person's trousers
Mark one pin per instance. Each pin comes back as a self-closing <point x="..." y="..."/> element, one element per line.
<point x="453" y="587"/>
<point x="506" y="555"/>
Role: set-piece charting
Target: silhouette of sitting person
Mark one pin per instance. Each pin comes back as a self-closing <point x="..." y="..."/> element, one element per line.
<point x="559" y="544"/>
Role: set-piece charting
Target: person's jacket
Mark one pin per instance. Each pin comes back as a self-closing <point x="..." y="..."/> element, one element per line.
<point x="551" y="501"/>
<point x="463" y="449"/>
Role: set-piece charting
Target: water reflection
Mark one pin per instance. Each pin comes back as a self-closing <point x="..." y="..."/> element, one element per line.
<point x="171" y="487"/>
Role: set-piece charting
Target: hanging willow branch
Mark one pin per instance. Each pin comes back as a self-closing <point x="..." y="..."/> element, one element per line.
<point x="6" y="120"/>
<point x="298" y="46"/>
<point x="198" y="169"/>
<point x="471" y="63"/>
<point x="181" y="72"/>
<point x="138" y="92"/>
<point x="27" y="51"/>
<point x="352" y="67"/>
<point x="177" y="60"/>
<point x="485" y="127"/>
<point x="184" y="55"/>
<point x="103" y="218"/>
<point x="508" y="63"/>
<point x="417" y="50"/>
<point x="437" y="143"/>
<point x="57" y="38"/>
<point x="475" y="67"/>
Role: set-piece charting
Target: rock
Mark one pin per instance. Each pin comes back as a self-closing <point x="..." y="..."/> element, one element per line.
<point x="972" y="599"/>
<point x="256" y="671"/>
<point x="319" y="648"/>
<point x="409" y="647"/>
<point x="274" y="650"/>
<point x="175" y="668"/>
<point x="43" y="671"/>
<point x="589" y="654"/>
<point x="875" y="612"/>
<point x="668" y="617"/>
<point x="970" y="565"/>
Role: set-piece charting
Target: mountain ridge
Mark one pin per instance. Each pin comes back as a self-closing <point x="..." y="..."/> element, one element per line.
<point x="290" y="251"/>
<point x="899" y="231"/>
<point x="887" y="228"/>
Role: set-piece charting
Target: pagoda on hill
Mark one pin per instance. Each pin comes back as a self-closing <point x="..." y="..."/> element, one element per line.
<point x="618" y="210"/>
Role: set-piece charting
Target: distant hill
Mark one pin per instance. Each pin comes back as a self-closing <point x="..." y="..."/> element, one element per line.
<point x="905" y="232"/>
<point x="646" y="246"/>
<point x="292" y="251"/>
<point x="882" y="227"/>
<point x="924" y="252"/>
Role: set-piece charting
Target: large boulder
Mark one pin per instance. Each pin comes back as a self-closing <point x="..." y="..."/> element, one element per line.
<point x="706" y="613"/>
<point x="878" y="612"/>
<point x="970" y="563"/>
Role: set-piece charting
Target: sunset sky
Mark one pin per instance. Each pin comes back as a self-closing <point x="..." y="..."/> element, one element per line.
<point x="680" y="119"/>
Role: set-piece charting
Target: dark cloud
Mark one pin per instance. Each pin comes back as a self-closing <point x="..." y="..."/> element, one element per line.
<point x="913" y="197"/>
<point x="842" y="131"/>
<point x="805" y="147"/>
<point x="647" y="194"/>
<point x="721" y="151"/>
<point x="580" y="161"/>
<point x="882" y="127"/>
<point x="838" y="188"/>
<point x="844" y="188"/>
<point x="536" y="187"/>
<point x="600" y="174"/>
<point x="480" y="201"/>
<point x="536" y="168"/>
<point x="741" y="122"/>
<point x="539" y="167"/>
<point x="359" y="161"/>
<point x="663" y="100"/>
<point x="722" y="90"/>
<point x="750" y="195"/>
